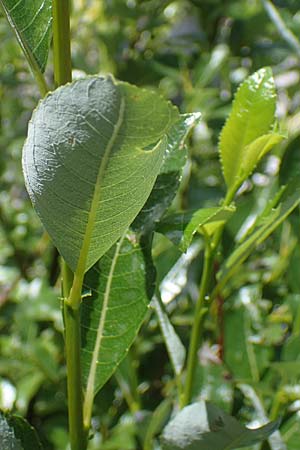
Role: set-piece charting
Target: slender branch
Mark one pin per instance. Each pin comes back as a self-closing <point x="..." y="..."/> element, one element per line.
<point x="71" y="284"/>
<point x="197" y="327"/>
<point x="61" y="42"/>
<point x="78" y="437"/>
<point x="282" y="29"/>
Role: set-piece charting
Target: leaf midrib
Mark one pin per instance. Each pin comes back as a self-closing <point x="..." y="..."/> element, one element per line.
<point x="81" y="265"/>
<point x="90" y="387"/>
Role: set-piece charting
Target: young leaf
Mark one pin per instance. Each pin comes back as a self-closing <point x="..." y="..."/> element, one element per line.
<point x="93" y="152"/>
<point x="31" y="21"/>
<point x="203" y="426"/>
<point x="112" y="315"/>
<point x="201" y="218"/>
<point x="251" y="117"/>
<point x="17" y="434"/>
<point x="174" y="345"/>
<point x="180" y="228"/>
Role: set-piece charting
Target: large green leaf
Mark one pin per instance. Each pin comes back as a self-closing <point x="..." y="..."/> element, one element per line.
<point x="203" y="426"/>
<point x="251" y="117"/>
<point x="31" y="20"/>
<point x="93" y="152"/>
<point x="17" y="434"/>
<point x="112" y="315"/>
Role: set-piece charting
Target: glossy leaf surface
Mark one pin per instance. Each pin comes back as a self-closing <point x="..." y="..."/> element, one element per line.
<point x="113" y="313"/>
<point x="203" y="426"/>
<point x="93" y="152"/>
<point x="252" y="116"/>
<point x="17" y="434"/>
<point x="31" y="20"/>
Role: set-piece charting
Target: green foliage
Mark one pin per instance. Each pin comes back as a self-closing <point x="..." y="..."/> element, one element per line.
<point x="196" y="54"/>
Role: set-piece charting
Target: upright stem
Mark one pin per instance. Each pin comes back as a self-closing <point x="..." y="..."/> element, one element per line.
<point x="196" y="329"/>
<point x="71" y="311"/>
<point x="61" y="42"/>
<point x="78" y="436"/>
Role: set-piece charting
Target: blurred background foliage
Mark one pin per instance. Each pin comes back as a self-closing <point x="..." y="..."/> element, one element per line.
<point x="195" y="53"/>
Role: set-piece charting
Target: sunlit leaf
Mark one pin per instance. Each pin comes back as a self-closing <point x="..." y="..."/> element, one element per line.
<point x="251" y="118"/>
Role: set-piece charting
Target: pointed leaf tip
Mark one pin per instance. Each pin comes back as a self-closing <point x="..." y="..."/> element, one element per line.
<point x="252" y="116"/>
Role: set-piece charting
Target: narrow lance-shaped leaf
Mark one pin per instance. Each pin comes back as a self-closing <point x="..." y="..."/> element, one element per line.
<point x="31" y="21"/>
<point x="174" y="345"/>
<point x="113" y="313"/>
<point x="93" y="152"/>
<point x="203" y="426"/>
<point x="252" y="117"/>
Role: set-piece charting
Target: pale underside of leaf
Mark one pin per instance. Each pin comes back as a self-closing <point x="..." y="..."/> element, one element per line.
<point x="94" y="150"/>
<point x="31" y="21"/>
<point x="203" y="426"/>
<point x="252" y="116"/>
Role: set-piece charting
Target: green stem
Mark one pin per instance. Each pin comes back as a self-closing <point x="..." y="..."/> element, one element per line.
<point x="61" y="42"/>
<point x="78" y="436"/>
<point x="197" y="327"/>
<point x="71" y="285"/>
